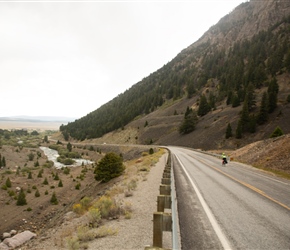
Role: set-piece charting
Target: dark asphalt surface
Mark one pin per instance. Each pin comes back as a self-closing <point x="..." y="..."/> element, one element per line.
<point x="233" y="207"/>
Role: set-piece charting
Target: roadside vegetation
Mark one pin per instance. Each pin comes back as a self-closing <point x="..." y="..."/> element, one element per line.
<point x="28" y="181"/>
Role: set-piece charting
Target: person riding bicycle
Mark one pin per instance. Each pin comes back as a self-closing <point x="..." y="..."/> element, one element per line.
<point x="224" y="158"/>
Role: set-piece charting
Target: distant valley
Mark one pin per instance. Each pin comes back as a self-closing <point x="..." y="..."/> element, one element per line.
<point x="34" y="122"/>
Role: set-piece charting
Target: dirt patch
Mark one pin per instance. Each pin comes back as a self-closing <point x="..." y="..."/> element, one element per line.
<point x="271" y="154"/>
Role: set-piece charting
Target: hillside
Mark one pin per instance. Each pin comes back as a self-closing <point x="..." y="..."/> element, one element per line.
<point x="244" y="55"/>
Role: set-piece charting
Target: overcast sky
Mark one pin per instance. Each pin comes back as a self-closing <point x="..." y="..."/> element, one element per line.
<point x="67" y="58"/>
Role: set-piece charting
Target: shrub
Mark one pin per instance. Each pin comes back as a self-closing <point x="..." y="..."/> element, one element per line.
<point x="86" y="202"/>
<point x="128" y="215"/>
<point x="60" y="183"/>
<point x="277" y="132"/>
<point x="94" y="216"/>
<point x="78" y="186"/>
<point x="85" y="234"/>
<point x="109" y="167"/>
<point x="73" y="243"/>
<point x="66" y="170"/>
<point x="11" y="193"/>
<point x="105" y="231"/>
<point x="107" y="207"/>
<point x="78" y="209"/>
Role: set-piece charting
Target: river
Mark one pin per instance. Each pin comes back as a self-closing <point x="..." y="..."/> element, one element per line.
<point x="52" y="155"/>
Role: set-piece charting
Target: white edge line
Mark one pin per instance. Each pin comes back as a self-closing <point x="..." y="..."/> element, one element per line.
<point x="223" y="239"/>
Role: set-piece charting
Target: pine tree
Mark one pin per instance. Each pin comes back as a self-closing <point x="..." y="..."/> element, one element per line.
<point x="69" y="147"/>
<point x="8" y="183"/>
<point x="239" y="130"/>
<point x="263" y="113"/>
<point x="251" y="97"/>
<point x="29" y="175"/>
<point x="53" y="199"/>
<point x="273" y="90"/>
<point x="37" y="194"/>
<point x="45" y="182"/>
<point x="40" y="174"/>
<point x="229" y="131"/>
<point x="60" y="183"/>
<point x="245" y="118"/>
<point x="21" y="200"/>
<point x="189" y="122"/>
<point x="204" y="107"/>
<point x="3" y="162"/>
<point x="56" y="178"/>
<point x="277" y="132"/>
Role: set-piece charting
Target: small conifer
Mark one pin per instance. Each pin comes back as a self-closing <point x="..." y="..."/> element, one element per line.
<point x="21" y="200"/>
<point x="53" y="199"/>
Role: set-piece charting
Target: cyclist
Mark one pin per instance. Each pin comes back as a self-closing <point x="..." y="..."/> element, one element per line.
<point x="224" y="158"/>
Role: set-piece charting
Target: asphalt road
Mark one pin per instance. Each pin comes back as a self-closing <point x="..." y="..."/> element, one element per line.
<point x="231" y="207"/>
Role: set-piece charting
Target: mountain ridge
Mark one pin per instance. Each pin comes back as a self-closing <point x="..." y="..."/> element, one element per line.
<point x="240" y="56"/>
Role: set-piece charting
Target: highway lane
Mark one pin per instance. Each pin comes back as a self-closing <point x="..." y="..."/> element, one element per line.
<point x="232" y="207"/>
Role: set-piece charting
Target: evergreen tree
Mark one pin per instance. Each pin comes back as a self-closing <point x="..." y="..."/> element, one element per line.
<point x="277" y="132"/>
<point x="252" y="124"/>
<point x="53" y="199"/>
<point x="45" y="182"/>
<point x="212" y="101"/>
<point x="189" y="122"/>
<point x="8" y="183"/>
<point x="263" y="113"/>
<point x="3" y="162"/>
<point x="109" y="167"/>
<point x="245" y="118"/>
<point x="29" y="175"/>
<point x="287" y="61"/>
<point x="239" y="130"/>
<point x="56" y="178"/>
<point x="273" y="90"/>
<point x="235" y="101"/>
<point x="229" y="131"/>
<point x="21" y="200"/>
<point x="60" y="183"/>
<point x="229" y="97"/>
<point x="204" y="107"/>
<point x="37" y="194"/>
<point x="45" y="139"/>
<point x="251" y="97"/>
<point x="69" y="147"/>
<point x="40" y="174"/>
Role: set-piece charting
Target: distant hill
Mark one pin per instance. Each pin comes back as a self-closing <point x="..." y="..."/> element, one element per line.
<point x="237" y="74"/>
<point x="37" y="119"/>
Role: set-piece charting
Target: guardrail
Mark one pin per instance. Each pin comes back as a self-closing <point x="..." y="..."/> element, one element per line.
<point x="166" y="221"/>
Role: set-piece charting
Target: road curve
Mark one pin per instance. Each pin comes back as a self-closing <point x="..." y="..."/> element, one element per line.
<point x="232" y="207"/>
